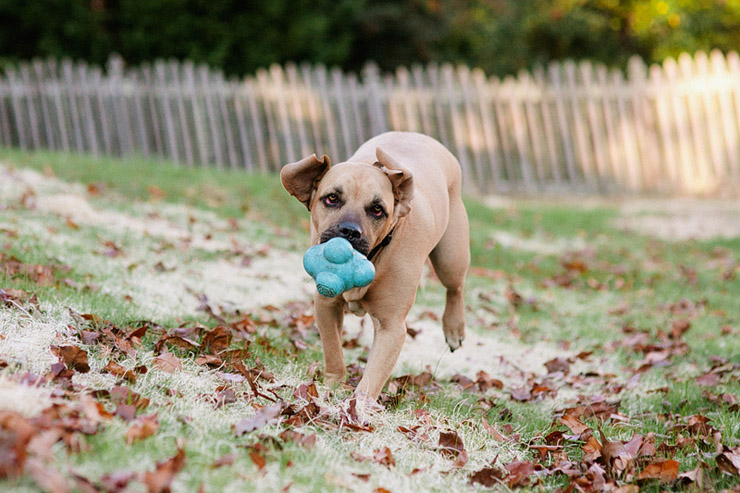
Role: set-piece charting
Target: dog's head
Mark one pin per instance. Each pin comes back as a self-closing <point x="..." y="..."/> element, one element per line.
<point x="358" y="202"/>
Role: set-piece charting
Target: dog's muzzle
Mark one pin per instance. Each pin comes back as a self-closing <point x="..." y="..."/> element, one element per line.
<point x="350" y="232"/>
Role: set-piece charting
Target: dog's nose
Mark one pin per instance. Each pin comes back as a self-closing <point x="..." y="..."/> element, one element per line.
<point x="350" y="231"/>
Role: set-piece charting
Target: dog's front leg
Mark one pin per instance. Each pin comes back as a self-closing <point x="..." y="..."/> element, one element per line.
<point x="388" y="340"/>
<point x="329" y="318"/>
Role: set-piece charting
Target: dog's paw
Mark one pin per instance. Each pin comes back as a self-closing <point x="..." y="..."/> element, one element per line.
<point x="454" y="341"/>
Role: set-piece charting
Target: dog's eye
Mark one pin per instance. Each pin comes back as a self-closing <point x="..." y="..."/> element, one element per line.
<point x="377" y="211"/>
<point x="331" y="199"/>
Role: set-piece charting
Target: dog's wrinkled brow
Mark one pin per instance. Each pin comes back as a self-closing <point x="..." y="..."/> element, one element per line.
<point x="335" y="190"/>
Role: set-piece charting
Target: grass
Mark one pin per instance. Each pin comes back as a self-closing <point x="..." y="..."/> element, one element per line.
<point x="547" y="281"/>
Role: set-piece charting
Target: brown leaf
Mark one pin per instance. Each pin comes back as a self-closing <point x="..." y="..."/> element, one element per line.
<point x="665" y="471"/>
<point x="729" y="460"/>
<point x="263" y="416"/>
<point x="557" y="364"/>
<point x="488" y="477"/>
<point x="217" y="340"/>
<point x="519" y="473"/>
<point x="117" y="481"/>
<point x="73" y="357"/>
<point x="15" y="434"/>
<point x="143" y="427"/>
<point x="383" y="456"/>
<point x="159" y="480"/>
<point x="168" y="362"/>
<point x="94" y="411"/>
<point x="209" y="360"/>
<point x="591" y="449"/>
<point x="616" y="457"/>
<point x="155" y="193"/>
<point x="451" y="444"/>
<point x="708" y="380"/>
<point x="694" y="476"/>
<point x="224" y="460"/>
<point x="493" y="431"/>
<point x="118" y="370"/>
<point x="521" y="394"/>
<point x="125" y="395"/>
<point x="573" y="423"/>
<point x="46" y="477"/>
<point x="258" y="459"/>
<point x="485" y="382"/>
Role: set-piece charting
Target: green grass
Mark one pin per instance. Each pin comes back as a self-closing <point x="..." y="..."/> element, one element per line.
<point x="615" y="279"/>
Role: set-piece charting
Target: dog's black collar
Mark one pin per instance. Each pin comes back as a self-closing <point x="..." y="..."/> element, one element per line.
<point x="380" y="245"/>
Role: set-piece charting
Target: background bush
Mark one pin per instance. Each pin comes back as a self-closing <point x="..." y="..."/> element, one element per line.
<point x="501" y="36"/>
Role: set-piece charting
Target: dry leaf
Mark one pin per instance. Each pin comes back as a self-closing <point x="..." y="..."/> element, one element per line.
<point x="168" y="362"/>
<point x="160" y="479"/>
<point x="519" y="473"/>
<point x="573" y="423"/>
<point x="263" y="416"/>
<point x="729" y="460"/>
<point x="143" y="427"/>
<point x="488" y="477"/>
<point x="493" y="431"/>
<point x="665" y="471"/>
<point x="73" y="357"/>
<point x="384" y="457"/>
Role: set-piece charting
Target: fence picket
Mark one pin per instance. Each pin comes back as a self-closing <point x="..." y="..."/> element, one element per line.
<point x="43" y="92"/>
<point x="729" y="125"/>
<point x="7" y="138"/>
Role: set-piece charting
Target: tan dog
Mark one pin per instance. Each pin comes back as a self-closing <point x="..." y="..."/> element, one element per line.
<point x="397" y="200"/>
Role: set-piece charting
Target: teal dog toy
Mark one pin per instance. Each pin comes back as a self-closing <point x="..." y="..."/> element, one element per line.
<point x="337" y="267"/>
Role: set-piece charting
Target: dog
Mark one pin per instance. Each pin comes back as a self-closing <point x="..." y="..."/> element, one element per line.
<point x="398" y="201"/>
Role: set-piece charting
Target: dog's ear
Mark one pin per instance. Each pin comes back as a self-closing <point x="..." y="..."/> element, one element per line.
<point x="401" y="179"/>
<point x="301" y="179"/>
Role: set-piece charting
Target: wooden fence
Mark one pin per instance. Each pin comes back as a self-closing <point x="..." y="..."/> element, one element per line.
<point x="572" y="127"/>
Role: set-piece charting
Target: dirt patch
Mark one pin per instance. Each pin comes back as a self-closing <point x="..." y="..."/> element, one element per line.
<point x="674" y="219"/>
<point x="682" y="219"/>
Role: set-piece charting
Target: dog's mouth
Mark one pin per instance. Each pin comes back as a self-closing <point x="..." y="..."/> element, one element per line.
<point x="361" y="243"/>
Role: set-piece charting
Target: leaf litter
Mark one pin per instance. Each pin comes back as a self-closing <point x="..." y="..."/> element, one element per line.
<point x="575" y="447"/>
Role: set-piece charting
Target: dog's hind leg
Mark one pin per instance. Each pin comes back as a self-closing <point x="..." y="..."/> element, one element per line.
<point x="451" y="259"/>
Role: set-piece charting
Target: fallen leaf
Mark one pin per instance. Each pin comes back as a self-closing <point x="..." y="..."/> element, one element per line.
<point x="73" y="357"/>
<point x="168" y="362"/>
<point x="159" y="480"/>
<point x="729" y="460"/>
<point x="573" y="423"/>
<point x="224" y="460"/>
<point x="665" y="471"/>
<point x="217" y="340"/>
<point x="708" y="380"/>
<point x="493" y="431"/>
<point x="15" y="434"/>
<point x="451" y="445"/>
<point x="488" y="477"/>
<point x="118" y="370"/>
<point x="695" y="476"/>
<point x="616" y="457"/>
<point x="383" y="456"/>
<point x="258" y="459"/>
<point x="143" y="427"/>
<point x="263" y="416"/>
<point x="557" y="364"/>
<point x="46" y="477"/>
<point x="518" y="473"/>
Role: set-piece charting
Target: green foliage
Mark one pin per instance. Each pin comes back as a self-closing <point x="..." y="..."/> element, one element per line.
<point x="501" y="36"/>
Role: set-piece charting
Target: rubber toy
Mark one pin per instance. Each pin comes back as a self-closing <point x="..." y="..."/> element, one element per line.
<point x="337" y="267"/>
